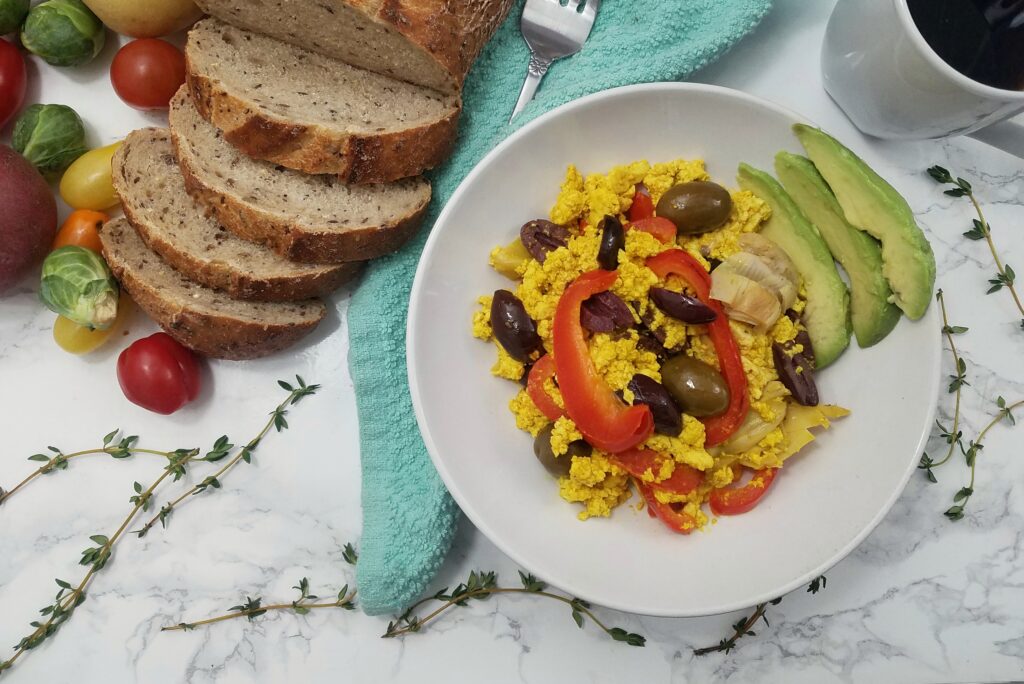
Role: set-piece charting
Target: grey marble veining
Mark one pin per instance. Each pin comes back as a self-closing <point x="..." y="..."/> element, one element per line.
<point x="921" y="600"/>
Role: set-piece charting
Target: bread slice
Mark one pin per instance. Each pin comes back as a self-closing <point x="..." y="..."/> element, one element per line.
<point x="302" y="217"/>
<point x="202" y="319"/>
<point x="428" y="42"/>
<point x="152" y="192"/>
<point x="308" y="112"/>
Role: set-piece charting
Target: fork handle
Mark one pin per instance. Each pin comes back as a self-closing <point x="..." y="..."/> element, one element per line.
<point x="535" y="72"/>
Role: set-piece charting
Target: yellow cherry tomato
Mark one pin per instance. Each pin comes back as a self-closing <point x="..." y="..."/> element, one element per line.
<point x="77" y="339"/>
<point x="88" y="183"/>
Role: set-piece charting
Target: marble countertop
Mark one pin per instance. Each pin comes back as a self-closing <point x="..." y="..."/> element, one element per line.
<point x="921" y="600"/>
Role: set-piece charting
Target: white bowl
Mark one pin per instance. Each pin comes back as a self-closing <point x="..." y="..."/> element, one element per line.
<point x="827" y="498"/>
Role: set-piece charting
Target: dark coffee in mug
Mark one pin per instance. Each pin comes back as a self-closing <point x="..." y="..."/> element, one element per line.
<point x="982" y="39"/>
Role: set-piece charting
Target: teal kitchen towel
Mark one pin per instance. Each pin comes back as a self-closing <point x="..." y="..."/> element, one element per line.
<point x="408" y="516"/>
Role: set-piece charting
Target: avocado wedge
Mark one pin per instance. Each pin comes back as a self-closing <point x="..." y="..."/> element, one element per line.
<point x="874" y="206"/>
<point x="872" y="312"/>
<point x="827" y="315"/>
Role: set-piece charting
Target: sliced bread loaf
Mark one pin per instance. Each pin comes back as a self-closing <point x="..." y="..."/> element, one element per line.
<point x="429" y="42"/>
<point x="312" y="113"/>
<point x="303" y="217"/>
<point x="202" y="319"/>
<point x="173" y="225"/>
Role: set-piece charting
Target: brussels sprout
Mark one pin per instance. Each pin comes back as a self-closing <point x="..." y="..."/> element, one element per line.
<point x="78" y="285"/>
<point x="63" y="32"/>
<point x="50" y="137"/>
<point x="12" y="14"/>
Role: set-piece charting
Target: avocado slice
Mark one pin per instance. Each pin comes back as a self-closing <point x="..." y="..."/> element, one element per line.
<point x="827" y="315"/>
<point x="872" y="312"/>
<point x="874" y="206"/>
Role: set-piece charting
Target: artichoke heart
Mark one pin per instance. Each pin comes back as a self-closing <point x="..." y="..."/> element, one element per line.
<point x="757" y="283"/>
<point x="745" y="299"/>
<point x="77" y="284"/>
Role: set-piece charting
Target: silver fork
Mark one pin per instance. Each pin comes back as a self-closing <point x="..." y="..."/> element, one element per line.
<point x="552" y="30"/>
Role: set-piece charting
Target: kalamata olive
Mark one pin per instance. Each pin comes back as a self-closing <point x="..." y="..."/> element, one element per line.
<point x="648" y="341"/>
<point x="804" y="340"/>
<point x="667" y="418"/>
<point x="796" y="374"/>
<point x="613" y="238"/>
<point x="557" y="465"/>
<point x="681" y="306"/>
<point x="698" y="388"/>
<point x="696" y="207"/>
<point x="540" y="237"/>
<point x="605" y="312"/>
<point x="513" y="327"/>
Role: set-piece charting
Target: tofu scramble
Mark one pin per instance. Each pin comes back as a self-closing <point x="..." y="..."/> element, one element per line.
<point x="643" y="368"/>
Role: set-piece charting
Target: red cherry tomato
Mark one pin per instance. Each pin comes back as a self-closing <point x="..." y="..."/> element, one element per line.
<point x="158" y="374"/>
<point x="12" y="81"/>
<point x="147" y="72"/>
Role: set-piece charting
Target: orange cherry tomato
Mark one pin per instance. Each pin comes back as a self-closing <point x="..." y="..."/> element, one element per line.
<point x="82" y="229"/>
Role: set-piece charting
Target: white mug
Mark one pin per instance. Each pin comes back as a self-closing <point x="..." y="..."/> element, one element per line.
<point x="880" y="70"/>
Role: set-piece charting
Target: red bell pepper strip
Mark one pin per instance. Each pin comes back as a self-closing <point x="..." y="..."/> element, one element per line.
<point x="636" y="462"/>
<point x="604" y="420"/>
<point x="543" y="369"/>
<point x="643" y="205"/>
<point x="677" y="521"/>
<point x="717" y="428"/>
<point x="661" y="228"/>
<point x="734" y="500"/>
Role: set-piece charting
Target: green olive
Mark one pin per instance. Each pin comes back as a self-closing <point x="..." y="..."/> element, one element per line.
<point x="557" y="465"/>
<point x="696" y="207"/>
<point x="698" y="388"/>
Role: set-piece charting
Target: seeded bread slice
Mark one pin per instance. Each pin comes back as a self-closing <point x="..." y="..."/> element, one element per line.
<point x="311" y="113"/>
<point x="202" y="319"/>
<point x="172" y="224"/>
<point x="302" y="217"/>
<point x="429" y="42"/>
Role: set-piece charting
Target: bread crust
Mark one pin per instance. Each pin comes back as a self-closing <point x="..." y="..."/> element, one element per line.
<point x="216" y="336"/>
<point x="312" y="148"/>
<point x="291" y="239"/>
<point x="451" y="32"/>
<point x="235" y="282"/>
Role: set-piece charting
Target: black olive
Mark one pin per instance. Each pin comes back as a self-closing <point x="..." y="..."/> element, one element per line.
<point x="667" y="418"/>
<point x="605" y="312"/>
<point x="797" y="374"/>
<point x="541" y="236"/>
<point x="682" y="307"/>
<point x="513" y="327"/>
<point x="613" y="239"/>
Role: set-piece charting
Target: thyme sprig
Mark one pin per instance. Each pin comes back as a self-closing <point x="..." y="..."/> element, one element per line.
<point x="982" y="230"/>
<point x="744" y="627"/>
<point x="971" y="451"/>
<point x="59" y="461"/>
<point x="954" y="436"/>
<point x="222" y="448"/>
<point x="253" y="607"/>
<point x="480" y="586"/>
<point x="95" y="558"/>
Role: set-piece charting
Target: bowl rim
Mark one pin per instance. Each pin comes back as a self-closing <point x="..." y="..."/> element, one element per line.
<point x="415" y="391"/>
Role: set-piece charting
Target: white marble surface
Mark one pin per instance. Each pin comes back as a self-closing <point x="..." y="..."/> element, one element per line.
<point x="922" y="600"/>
